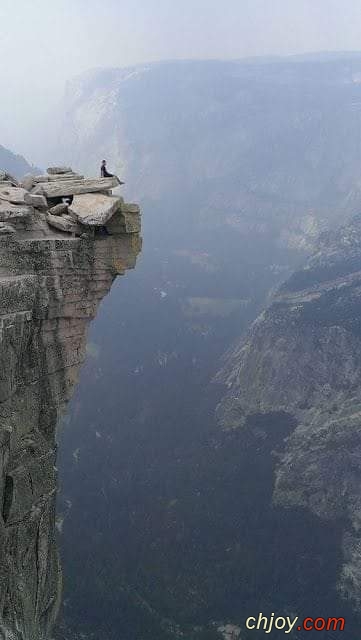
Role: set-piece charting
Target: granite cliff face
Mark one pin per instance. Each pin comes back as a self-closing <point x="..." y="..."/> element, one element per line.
<point x="51" y="285"/>
<point x="302" y="357"/>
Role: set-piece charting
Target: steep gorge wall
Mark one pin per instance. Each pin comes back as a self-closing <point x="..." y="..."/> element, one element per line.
<point x="50" y="287"/>
<point x="302" y="357"/>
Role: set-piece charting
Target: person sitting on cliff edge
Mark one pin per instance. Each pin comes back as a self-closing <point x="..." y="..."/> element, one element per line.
<point x="103" y="170"/>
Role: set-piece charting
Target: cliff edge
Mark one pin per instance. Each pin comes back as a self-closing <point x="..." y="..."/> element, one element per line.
<point x="51" y="284"/>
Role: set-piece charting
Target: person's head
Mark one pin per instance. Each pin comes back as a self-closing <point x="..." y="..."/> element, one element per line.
<point x="104" y="163"/>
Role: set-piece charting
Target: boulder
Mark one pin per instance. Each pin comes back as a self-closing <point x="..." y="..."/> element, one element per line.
<point x="94" y="209"/>
<point x="62" y="188"/>
<point x="64" y="224"/>
<point x="59" y="209"/>
<point x="52" y="170"/>
<point x="37" y="201"/>
<point x="70" y="218"/>
<point x="16" y="195"/>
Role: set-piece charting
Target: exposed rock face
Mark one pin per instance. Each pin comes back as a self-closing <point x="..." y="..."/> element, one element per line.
<point x="63" y="224"/>
<point x="67" y="202"/>
<point x="303" y="357"/>
<point x="51" y="286"/>
<point x="94" y="209"/>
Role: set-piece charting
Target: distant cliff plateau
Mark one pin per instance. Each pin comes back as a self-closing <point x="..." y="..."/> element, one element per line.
<point x="302" y="358"/>
<point x="266" y="150"/>
<point x="51" y="284"/>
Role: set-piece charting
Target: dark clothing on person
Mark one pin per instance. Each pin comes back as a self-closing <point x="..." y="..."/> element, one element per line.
<point x="104" y="173"/>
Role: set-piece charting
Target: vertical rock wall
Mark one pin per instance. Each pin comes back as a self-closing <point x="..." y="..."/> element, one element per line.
<point x="50" y="289"/>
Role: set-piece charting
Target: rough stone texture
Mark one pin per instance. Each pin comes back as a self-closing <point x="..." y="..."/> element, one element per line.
<point x="63" y="223"/>
<point x="302" y="356"/>
<point x="94" y="209"/>
<point x="5" y="183"/>
<point x="88" y="201"/>
<point x="16" y="195"/>
<point x="61" y="170"/>
<point x="126" y="220"/>
<point x="27" y="182"/>
<point x="123" y="223"/>
<point x="13" y="180"/>
<point x="7" y="228"/>
<point x="62" y="188"/>
<point x="50" y="288"/>
<point x="19" y="195"/>
<point x="37" y="201"/>
<point x="6" y="177"/>
<point x="57" y="176"/>
<point x="59" y="209"/>
<point x="10" y="211"/>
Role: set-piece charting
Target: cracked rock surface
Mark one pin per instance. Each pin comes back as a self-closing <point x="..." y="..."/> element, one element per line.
<point x="51" y="285"/>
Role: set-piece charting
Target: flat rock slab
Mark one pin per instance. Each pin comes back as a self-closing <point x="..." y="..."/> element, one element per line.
<point x="52" y="170"/>
<point x="59" y="209"/>
<point x="94" y="209"/>
<point x="58" y="176"/>
<point x="62" y="188"/>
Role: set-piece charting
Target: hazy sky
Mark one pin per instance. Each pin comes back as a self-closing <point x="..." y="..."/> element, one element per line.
<point x="43" y="43"/>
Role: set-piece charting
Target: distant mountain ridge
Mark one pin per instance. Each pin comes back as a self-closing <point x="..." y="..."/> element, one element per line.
<point x="265" y="147"/>
<point x="15" y="164"/>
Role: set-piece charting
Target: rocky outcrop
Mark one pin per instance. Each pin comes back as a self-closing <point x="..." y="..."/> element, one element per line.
<point x="302" y="357"/>
<point x="65" y="201"/>
<point x="50" y="285"/>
